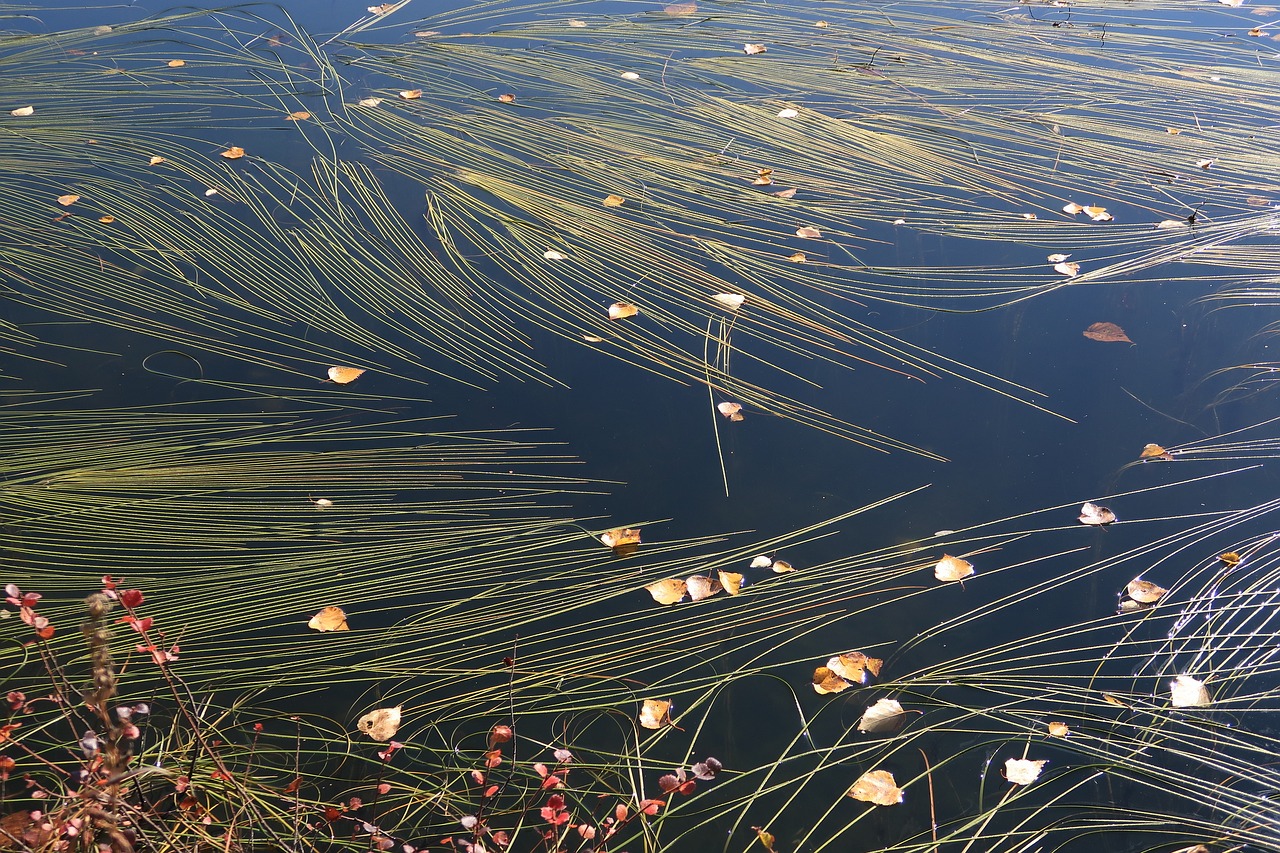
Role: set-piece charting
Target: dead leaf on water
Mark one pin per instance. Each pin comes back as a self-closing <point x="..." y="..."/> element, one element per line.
<point x="553" y="255"/>
<point x="1096" y="515"/>
<point x="1230" y="559"/>
<point x="787" y="193"/>
<point x="854" y="666"/>
<point x="176" y="63"/>
<point x="299" y="115"/>
<point x="826" y="682"/>
<point x="1072" y="208"/>
<point x="22" y="112"/>
<point x="788" y="113"/>
<point x="752" y="49"/>
<point x="1023" y="771"/>
<point x="677" y="10"/>
<point x="762" y="562"/>
<point x="764" y="177"/>
<point x="732" y="301"/>
<point x="1107" y="333"/>
<point x="1144" y="592"/>
<point x="612" y="200"/>
<point x="155" y="161"/>
<point x="235" y="152"/>
<point x="329" y="619"/>
<point x="622" y="310"/>
<point x="68" y="200"/>
<point x="732" y="411"/>
<point x="106" y="219"/>
<point x="782" y="567"/>
<point x="1155" y="451"/>
<point x="1057" y="257"/>
<point x="368" y="102"/>
<point x="877" y="786"/>
<point x="624" y="541"/>
<point x="951" y="568"/>
<point x="668" y="591"/>
<point x="381" y="724"/>
<point x="731" y="581"/>
<point x="1057" y="729"/>
<point x="886" y="715"/>
<point x="655" y="713"/>
<point x="797" y="257"/>
<point x="345" y="375"/>
<point x="701" y="587"/>
<point x="507" y="98"/>
<point x="1067" y="268"/>
<point x="411" y="94"/>
<point x="808" y="232"/>
<point x="1188" y="692"/>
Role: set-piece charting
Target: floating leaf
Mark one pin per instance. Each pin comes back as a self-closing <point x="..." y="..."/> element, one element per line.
<point x="762" y="562"/>
<point x="176" y="63"/>
<point x="235" y="152"/>
<point x="553" y="255"/>
<point x="766" y="838"/>
<point x="854" y="666"/>
<point x="655" y="713"/>
<point x="753" y="49"/>
<point x="1057" y="729"/>
<point x="1172" y="223"/>
<point x="899" y="222"/>
<point x="411" y="94"/>
<point x="1188" y="692"/>
<point x="612" y="200"/>
<point x="1095" y="514"/>
<point x="369" y="102"/>
<point x="1029" y="216"/>
<point x="677" y="10"/>
<point x="329" y="619"/>
<point x="764" y="177"/>
<point x="1107" y="333"/>
<point x="825" y="681"/>
<point x="630" y="75"/>
<point x="1099" y="214"/>
<point x="876" y="786"/>
<point x="1093" y="211"/>
<point x="381" y="724"/>
<point x="951" y="568"/>
<point x="668" y="591"/>
<point x="622" y="310"/>
<point x="155" y="161"/>
<point x="1072" y="208"/>
<point x="732" y="411"/>
<point x="787" y="193"/>
<point x="322" y="503"/>
<point x="1155" y="451"/>
<point x="782" y="566"/>
<point x="624" y="541"/>
<point x="1144" y="592"/>
<point x="345" y="375"/>
<point x="383" y="9"/>
<point x="731" y="581"/>
<point x="1230" y="559"/>
<point x="1067" y="268"/>
<point x="106" y="219"/>
<point x="1204" y="164"/>
<point x="22" y="112"/>
<point x="701" y="587"/>
<point x="1023" y="771"/>
<point x="788" y="113"/>
<point x="507" y="98"/>
<point x="732" y="301"/>
<point x="593" y="339"/>
<point x="1057" y="258"/>
<point x="808" y="232"/>
<point x="68" y="200"/>
<point x="300" y="115"/>
<point x="886" y="715"/>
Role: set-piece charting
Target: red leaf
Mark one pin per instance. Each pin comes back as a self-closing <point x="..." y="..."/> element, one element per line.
<point x="45" y="633"/>
<point x="551" y="782"/>
<point x="668" y="783"/>
<point x="294" y="785"/>
<point x="687" y="787"/>
<point x="500" y="734"/>
<point x="131" y="598"/>
<point x="490" y="791"/>
<point x="540" y="769"/>
<point x="650" y="807"/>
<point x="492" y="758"/>
<point x="477" y="777"/>
<point x="108" y="582"/>
<point x="331" y="813"/>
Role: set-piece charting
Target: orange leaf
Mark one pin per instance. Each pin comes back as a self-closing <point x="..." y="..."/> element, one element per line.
<point x="622" y="310"/>
<point x="655" y="713"/>
<point x="329" y="619"/>
<point x="300" y="115"/>
<point x="668" y="591"/>
<point x="345" y="375"/>
<point x="951" y="568"/>
<point x="411" y="94"/>
<point x="613" y="200"/>
<point x="235" y="152"/>
<point x="68" y="200"/>
<point x="176" y="63"/>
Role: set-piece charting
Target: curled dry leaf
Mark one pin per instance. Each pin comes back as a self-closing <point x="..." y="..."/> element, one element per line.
<point x="655" y="713"/>
<point x="68" y="200"/>
<point x="1097" y="515"/>
<point x="106" y="219"/>
<point x="1188" y="692"/>
<point x="1155" y="451"/>
<point x="753" y="49"/>
<point x="321" y="503"/>
<point x="368" y="102"/>
<point x="1205" y="164"/>
<point x="1067" y="268"/>
<point x="411" y="94"/>
<point x="825" y="681"/>
<point x="668" y="591"/>
<point x="1144" y="592"/>
<point x="808" y="232"/>
<point x="876" y="786"/>
<point x="1165" y="224"/>
<point x="1107" y="333"/>
<point x="1057" y="729"/>
<point x="886" y="715"/>
<point x="381" y="724"/>
<point x="732" y="301"/>
<point x="1093" y="211"/>
<point x="1057" y="258"/>
<point x="612" y="200"/>
<point x="854" y="666"/>
<point x="701" y="587"/>
<point x="951" y="568"/>
<point x="732" y="411"/>
<point x="622" y="310"/>
<point x="235" y="152"/>
<point x="763" y="561"/>
<point x="1230" y="559"/>
<point x="797" y="257"/>
<point x="1029" y="216"/>
<point x="1023" y="771"/>
<point x="345" y="375"/>
<point x="23" y="112"/>
<point x="707" y="770"/>
<point x="624" y="541"/>
<point x="764" y="177"/>
<point x="593" y="339"/>
<point x="155" y="161"/>
<point x="731" y="581"/>
<point x="1072" y="208"/>
<point x="782" y="567"/>
<point x="329" y="619"/>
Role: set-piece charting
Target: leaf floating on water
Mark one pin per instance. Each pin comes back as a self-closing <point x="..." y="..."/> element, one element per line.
<point x="951" y="568"/>
<point x="701" y="587"/>
<point x="731" y="581"/>
<point x="1097" y="515"/>
<point x="854" y="666"/>
<point x="732" y="411"/>
<point x="235" y="152"/>
<point x="1188" y="692"/>
<point x="732" y="301"/>
<point x="629" y="75"/>
<point x="176" y="63"/>
<point x="1107" y="333"/>
<point x="1172" y="223"/>
<point x="593" y="339"/>
<point x="622" y="310"/>
<point x="1023" y="771"/>
<point x="668" y="591"/>
<point x="766" y="838"/>
<point x="345" y="375"/>
<point x="1230" y="559"/>
<point x="329" y="619"/>
<point x="1155" y="451"/>
<point x="369" y="102"/>
<point x="788" y="113"/>
<point x="1029" y="216"/>
<point x="577" y="23"/>
<point x="797" y="257"/>
<point x="808" y="232"/>
<point x="155" y="161"/>
<point x="68" y="200"/>
<point x="321" y="503"/>
<point x="1072" y="208"/>
<point x="1204" y="164"/>
<point x="553" y="255"/>
<point x="877" y="786"/>
<point x="1144" y="592"/>
<point x="624" y="541"/>
<point x="762" y="562"/>
<point x="899" y="222"/>
<point x="383" y="9"/>
<point x="106" y="219"/>
<point x="411" y="94"/>
<point x="1099" y="214"/>
<point x="381" y="724"/>
<point x="787" y="193"/>
<point x="22" y="112"/>
<point x="655" y="713"/>
<point x="1067" y="268"/>
<point x="753" y="49"/>
<point x="1057" y="258"/>
<point x="299" y="115"/>
<point x="1194" y="848"/>
<point x="764" y="177"/>
<point x="826" y="682"/>
<point x="886" y="715"/>
<point x="1057" y="729"/>
<point x="507" y="98"/>
<point x="612" y="200"/>
<point x="677" y="10"/>
<point x="782" y="567"/>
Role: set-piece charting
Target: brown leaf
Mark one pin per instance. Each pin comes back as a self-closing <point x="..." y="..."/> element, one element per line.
<point x="411" y="94"/>
<point x="752" y="49"/>
<point x="808" y="232"/>
<point x="877" y="786"/>
<point x="825" y="681"/>
<point x="235" y="152"/>
<point x="886" y="715"/>
<point x="300" y="115"/>
<point x="1106" y="332"/>
<point x="507" y="98"/>
<point x="329" y="619"/>
<point x="1230" y="559"/>
<point x="732" y="411"/>
<point x="1057" y="729"/>
<point x="655" y="713"/>
<point x="1155" y="451"/>
<point x="1096" y="515"/>
<point x="622" y="310"/>
<point x="176" y="63"/>
<point x="1144" y="592"/>
<point x="612" y="200"/>
<point x="854" y="666"/>
<point x="68" y="200"/>
<point x="677" y="10"/>
<point x="701" y="587"/>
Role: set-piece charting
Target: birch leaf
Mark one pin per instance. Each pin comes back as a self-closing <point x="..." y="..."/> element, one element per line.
<point x="877" y="786"/>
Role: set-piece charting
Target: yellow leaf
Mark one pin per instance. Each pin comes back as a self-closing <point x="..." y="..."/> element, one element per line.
<point x="68" y="200"/>
<point x="1022" y="771"/>
<point x="825" y="681"/>
<point x="507" y="98"/>
<point x="668" y="591"/>
<point x="613" y="200"/>
<point x="176" y="63"/>
<point x="782" y="567"/>
<point x="854" y="666"/>
<point x="797" y="257"/>
<point x="1155" y="451"/>
<point x="731" y="581"/>
<point x="766" y="838"/>
<point x="411" y="94"/>
<point x="300" y="115"/>
<point x="1230" y="559"/>
<point x="235" y="152"/>
<point x="1057" y="729"/>
<point x="345" y="375"/>
<point x="624" y="541"/>
<point x="655" y="713"/>
<point x="877" y="786"/>
<point x="951" y="568"/>
<point x="22" y="112"/>
<point x="106" y="220"/>
<point x="764" y="178"/>
<point x="329" y="619"/>
<point x="381" y="724"/>
<point x="155" y="161"/>
<point x="622" y="310"/>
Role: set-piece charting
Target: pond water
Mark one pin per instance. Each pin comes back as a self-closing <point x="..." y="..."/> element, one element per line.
<point x="209" y="208"/>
